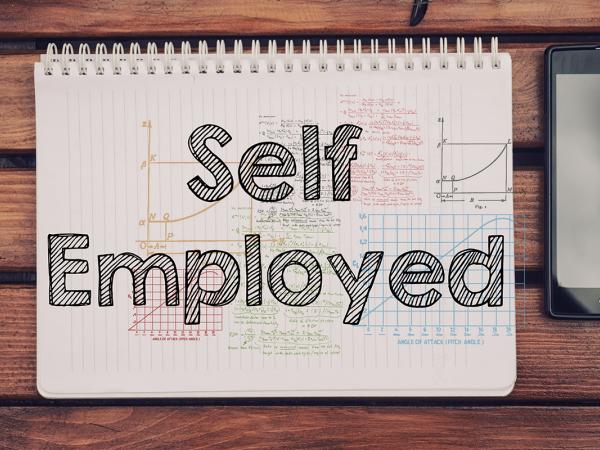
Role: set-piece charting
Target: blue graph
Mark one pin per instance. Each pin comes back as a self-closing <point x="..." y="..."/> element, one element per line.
<point x="443" y="235"/>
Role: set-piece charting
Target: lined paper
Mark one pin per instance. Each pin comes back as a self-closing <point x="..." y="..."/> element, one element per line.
<point x="433" y="173"/>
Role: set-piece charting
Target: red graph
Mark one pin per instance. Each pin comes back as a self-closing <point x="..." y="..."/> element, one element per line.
<point x="155" y="318"/>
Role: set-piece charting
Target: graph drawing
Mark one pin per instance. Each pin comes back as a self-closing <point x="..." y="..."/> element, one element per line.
<point x="473" y="171"/>
<point x="443" y="235"/>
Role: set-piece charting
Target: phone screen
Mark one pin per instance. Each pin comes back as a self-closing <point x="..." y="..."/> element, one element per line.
<point x="577" y="180"/>
<point x="573" y="181"/>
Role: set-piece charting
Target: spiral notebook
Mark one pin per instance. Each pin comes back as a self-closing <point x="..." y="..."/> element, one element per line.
<point x="253" y="220"/>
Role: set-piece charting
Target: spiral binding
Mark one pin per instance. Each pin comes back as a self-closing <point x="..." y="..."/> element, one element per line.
<point x="187" y="61"/>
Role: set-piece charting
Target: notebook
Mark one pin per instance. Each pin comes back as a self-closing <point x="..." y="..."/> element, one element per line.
<point x="275" y="220"/>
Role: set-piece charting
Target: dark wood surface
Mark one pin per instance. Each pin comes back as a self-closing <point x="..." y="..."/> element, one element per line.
<point x="48" y="18"/>
<point x="557" y="396"/>
<point x="294" y="426"/>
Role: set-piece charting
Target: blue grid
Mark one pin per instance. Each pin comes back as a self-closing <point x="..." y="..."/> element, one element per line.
<point x="443" y="235"/>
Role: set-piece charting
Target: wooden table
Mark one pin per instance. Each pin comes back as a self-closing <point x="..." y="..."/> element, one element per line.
<point x="557" y="396"/>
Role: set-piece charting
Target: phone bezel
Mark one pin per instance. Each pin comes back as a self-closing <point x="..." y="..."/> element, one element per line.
<point x="563" y="302"/>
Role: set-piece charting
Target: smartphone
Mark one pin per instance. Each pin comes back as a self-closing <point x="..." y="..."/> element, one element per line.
<point x="572" y="260"/>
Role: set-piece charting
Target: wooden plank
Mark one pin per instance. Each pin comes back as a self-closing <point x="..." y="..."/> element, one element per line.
<point x="300" y="426"/>
<point x="528" y="186"/>
<point x="17" y="218"/>
<point x="557" y="359"/>
<point x="17" y="103"/>
<point x="17" y="127"/>
<point x="23" y="19"/>
<point x="17" y="342"/>
<point x="528" y="94"/>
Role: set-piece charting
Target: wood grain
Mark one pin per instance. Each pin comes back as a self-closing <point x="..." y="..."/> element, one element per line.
<point x="17" y="110"/>
<point x="17" y="103"/>
<point x="17" y="342"/>
<point x="528" y="185"/>
<point x="307" y="426"/>
<point x="17" y="219"/>
<point x="47" y="18"/>
<point x="556" y="359"/>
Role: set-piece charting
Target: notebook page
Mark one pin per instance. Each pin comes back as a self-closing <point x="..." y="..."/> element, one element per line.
<point x="433" y="173"/>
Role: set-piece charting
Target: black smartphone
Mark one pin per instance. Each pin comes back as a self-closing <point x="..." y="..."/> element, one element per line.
<point x="572" y="260"/>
